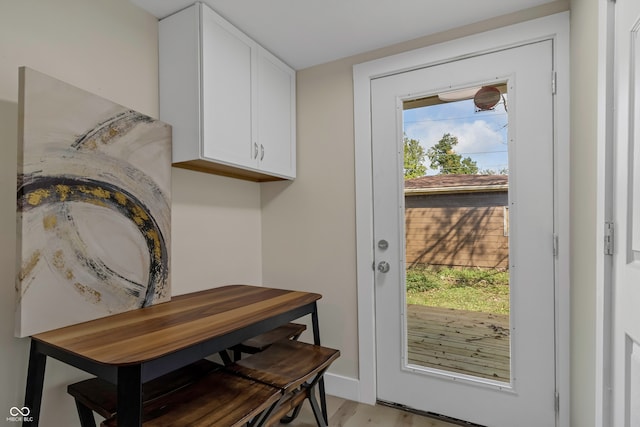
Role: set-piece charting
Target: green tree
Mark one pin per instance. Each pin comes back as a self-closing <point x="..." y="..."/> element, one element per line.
<point x="414" y="155"/>
<point x="444" y="158"/>
<point x="503" y="171"/>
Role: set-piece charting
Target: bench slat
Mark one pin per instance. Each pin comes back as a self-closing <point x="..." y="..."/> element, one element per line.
<point x="262" y="341"/>
<point x="219" y="399"/>
<point x="101" y="396"/>
<point x="286" y="364"/>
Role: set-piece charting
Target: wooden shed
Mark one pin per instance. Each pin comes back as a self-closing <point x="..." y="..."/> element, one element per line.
<point x="457" y="221"/>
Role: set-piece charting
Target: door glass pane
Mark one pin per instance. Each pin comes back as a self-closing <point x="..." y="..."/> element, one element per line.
<point x="457" y="232"/>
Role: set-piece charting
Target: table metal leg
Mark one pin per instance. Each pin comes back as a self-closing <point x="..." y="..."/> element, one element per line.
<point x="129" y="396"/>
<point x="35" y="383"/>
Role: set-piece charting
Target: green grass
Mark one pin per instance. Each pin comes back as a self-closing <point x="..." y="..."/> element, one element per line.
<point x="470" y="289"/>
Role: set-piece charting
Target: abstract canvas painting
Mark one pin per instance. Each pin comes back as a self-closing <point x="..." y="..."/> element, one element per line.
<point x="93" y="206"/>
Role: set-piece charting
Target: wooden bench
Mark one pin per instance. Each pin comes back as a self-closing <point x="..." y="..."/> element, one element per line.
<point x="101" y="396"/>
<point x="261" y="342"/>
<point x="219" y="399"/>
<point x="259" y="390"/>
<point x="295" y="368"/>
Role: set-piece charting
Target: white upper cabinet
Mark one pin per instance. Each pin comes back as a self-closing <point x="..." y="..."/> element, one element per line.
<point x="226" y="81"/>
<point x="230" y="102"/>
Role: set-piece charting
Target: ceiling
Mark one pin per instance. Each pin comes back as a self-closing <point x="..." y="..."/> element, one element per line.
<point x="304" y="33"/>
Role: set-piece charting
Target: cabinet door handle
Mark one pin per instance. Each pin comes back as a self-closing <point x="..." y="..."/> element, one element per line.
<point x="261" y="152"/>
<point x="255" y="150"/>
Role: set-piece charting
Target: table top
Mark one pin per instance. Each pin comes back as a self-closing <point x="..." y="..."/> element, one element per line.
<point x="145" y="334"/>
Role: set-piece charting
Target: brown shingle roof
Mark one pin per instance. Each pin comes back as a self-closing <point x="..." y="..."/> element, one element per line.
<point x="457" y="182"/>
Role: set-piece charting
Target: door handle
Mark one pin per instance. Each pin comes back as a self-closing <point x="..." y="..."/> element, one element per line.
<point x="383" y="267"/>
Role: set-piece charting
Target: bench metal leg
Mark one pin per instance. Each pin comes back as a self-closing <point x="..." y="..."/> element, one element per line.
<point x="310" y="391"/>
<point x="226" y="360"/>
<point x="317" y="412"/>
<point x="316" y="341"/>
<point x="262" y="418"/>
<point x="86" y="415"/>
<point x="289" y="418"/>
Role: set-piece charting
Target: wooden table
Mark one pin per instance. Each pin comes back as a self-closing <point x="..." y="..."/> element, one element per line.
<point x="131" y="348"/>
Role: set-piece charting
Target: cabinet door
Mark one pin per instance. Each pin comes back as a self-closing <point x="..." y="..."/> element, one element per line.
<point x="276" y="116"/>
<point x="226" y="92"/>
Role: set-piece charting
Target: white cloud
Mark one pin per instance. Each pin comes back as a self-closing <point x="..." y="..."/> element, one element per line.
<point x="481" y="136"/>
<point x="478" y="136"/>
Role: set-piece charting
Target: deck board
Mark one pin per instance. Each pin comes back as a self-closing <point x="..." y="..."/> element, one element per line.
<point x="466" y="342"/>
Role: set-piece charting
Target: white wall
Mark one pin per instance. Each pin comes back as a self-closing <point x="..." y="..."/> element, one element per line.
<point x="309" y="225"/>
<point x="109" y="48"/>
<point x="584" y="208"/>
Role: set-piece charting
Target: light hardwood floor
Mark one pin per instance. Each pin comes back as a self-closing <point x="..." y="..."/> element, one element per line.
<point x="345" y="413"/>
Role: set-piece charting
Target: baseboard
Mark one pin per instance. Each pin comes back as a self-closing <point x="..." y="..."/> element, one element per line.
<point x="342" y="387"/>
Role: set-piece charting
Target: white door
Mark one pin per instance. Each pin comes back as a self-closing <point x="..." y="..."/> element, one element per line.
<point x="527" y="396"/>
<point x="626" y="316"/>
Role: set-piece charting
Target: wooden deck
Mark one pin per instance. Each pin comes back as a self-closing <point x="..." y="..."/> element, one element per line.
<point x="466" y="342"/>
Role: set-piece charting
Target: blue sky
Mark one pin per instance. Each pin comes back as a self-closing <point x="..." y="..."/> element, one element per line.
<point x="481" y="135"/>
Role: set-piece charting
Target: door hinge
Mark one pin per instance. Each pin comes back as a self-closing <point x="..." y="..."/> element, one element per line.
<point x="608" y="238"/>
<point x="554" y="82"/>
<point x="555" y="245"/>
<point x="557" y="402"/>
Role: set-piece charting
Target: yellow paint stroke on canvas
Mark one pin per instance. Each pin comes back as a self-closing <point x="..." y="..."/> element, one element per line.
<point x="35" y="197"/>
<point x="88" y="293"/>
<point x="30" y="265"/>
<point x="120" y="198"/>
<point x="112" y="133"/>
<point x="97" y="202"/>
<point x="100" y="193"/>
<point x="90" y="145"/>
<point x="49" y="222"/>
<point x="63" y="192"/>
<point x="139" y="215"/>
<point x="58" y="259"/>
<point x="153" y="235"/>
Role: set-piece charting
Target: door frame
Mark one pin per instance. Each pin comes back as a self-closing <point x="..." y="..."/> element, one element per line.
<point x="605" y="141"/>
<point x="553" y="27"/>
